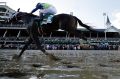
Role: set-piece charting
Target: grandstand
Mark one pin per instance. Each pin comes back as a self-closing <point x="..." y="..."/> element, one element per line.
<point x="5" y="12"/>
<point x="14" y="36"/>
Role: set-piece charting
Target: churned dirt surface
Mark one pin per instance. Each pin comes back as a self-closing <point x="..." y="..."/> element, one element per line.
<point x="75" y="64"/>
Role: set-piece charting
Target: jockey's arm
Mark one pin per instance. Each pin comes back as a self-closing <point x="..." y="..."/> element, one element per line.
<point x="37" y="7"/>
<point x="34" y="10"/>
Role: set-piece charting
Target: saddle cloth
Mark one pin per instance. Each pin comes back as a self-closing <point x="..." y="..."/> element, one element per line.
<point x="47" y="19"/>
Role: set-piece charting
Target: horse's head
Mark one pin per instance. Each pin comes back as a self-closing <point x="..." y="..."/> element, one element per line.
<point x="21" y="17"/>
<point x="16" y="18"/>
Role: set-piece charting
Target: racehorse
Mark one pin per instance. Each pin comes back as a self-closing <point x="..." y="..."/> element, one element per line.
<point x="65" y="22"/>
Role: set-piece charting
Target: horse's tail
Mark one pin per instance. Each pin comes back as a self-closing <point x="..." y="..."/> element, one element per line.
<point x="84" y="25"/>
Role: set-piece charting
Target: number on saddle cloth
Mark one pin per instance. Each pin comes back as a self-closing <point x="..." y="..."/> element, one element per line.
<point x="46" y="19"/>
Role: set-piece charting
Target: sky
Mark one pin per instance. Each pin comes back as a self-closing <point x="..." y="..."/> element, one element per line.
<point x="88" y="11"/>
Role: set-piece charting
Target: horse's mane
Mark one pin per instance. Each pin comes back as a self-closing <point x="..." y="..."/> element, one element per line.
<point x="29" y="14"/>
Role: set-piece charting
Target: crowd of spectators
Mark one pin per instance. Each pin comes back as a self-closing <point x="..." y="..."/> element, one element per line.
<point x="81" y="47"/>
<point x="65" y="44"/>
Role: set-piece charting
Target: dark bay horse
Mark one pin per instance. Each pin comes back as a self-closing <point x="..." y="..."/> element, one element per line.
<point x="61" y="21"/>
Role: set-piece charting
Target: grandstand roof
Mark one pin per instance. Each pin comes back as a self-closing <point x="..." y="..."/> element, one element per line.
<point x="112" y="29"/>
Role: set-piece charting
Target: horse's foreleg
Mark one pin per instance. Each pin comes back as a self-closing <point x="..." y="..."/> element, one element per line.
<point x="34" y="35"/>
<point x="37" y="42"/>
<point x="26" y="46"/>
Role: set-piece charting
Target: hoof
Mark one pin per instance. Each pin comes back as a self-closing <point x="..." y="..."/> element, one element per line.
<point x="15" y="57"/>
<point x="52" y="57"/>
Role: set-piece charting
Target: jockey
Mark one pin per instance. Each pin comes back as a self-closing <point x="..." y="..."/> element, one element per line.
<point x="45" y="10"/>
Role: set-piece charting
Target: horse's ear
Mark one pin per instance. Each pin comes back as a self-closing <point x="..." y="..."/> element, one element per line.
<point x="18" y="10"/>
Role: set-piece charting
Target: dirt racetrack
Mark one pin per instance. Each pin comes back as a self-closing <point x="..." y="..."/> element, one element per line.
<point x="75" y="64"/>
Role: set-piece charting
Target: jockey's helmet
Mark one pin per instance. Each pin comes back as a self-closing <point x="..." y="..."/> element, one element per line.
<point x="39" y="4"/>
